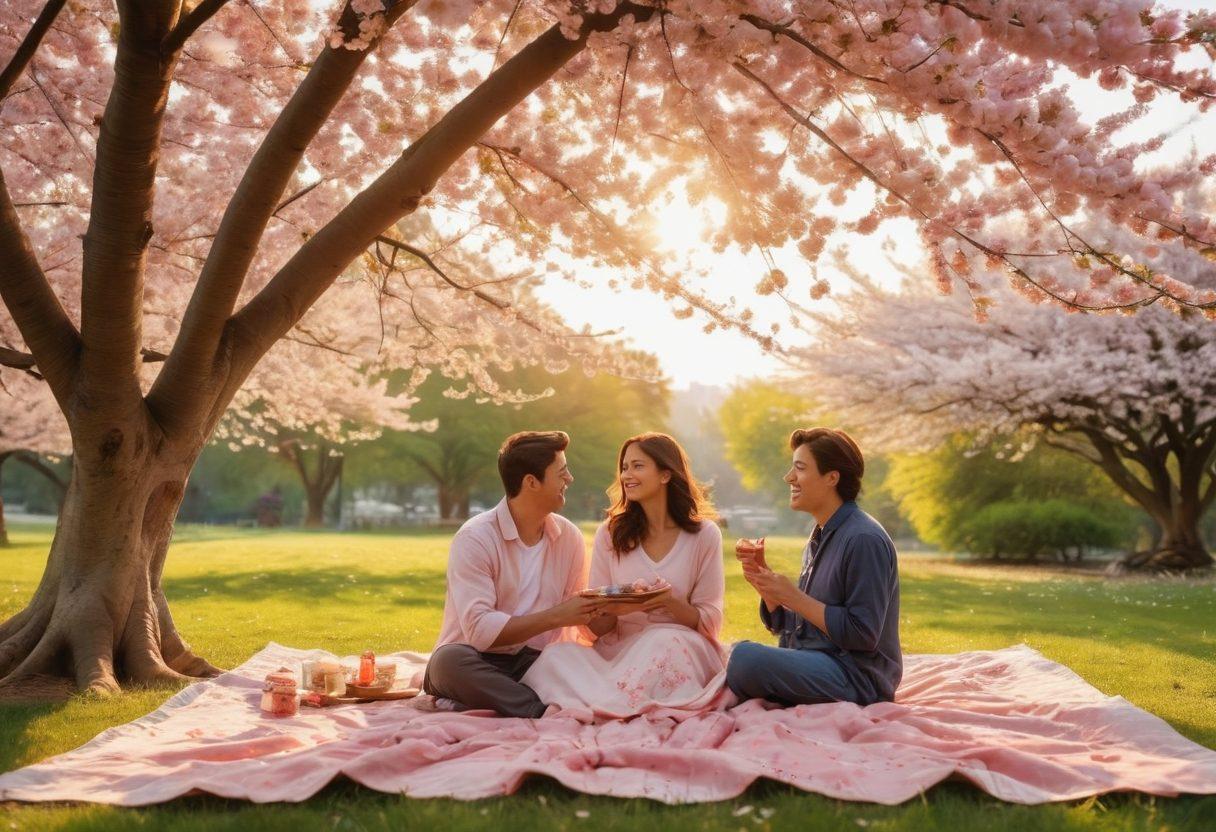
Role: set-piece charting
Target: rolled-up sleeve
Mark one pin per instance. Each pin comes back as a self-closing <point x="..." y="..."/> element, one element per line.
<point x="774" y="620"/>
<point x="870" y="578"/>
<point x="471" y="587"/>
<point x="709" y="586"/>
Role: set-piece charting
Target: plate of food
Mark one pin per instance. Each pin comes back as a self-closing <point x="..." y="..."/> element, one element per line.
<point x="638" y="591"/>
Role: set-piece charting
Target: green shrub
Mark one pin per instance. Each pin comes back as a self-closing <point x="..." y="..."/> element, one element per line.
<point x="942" y="491"/>
<point x="1033" y="529"/>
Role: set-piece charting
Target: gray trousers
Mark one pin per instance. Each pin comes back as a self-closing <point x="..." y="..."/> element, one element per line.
<point x="477" y="680"/>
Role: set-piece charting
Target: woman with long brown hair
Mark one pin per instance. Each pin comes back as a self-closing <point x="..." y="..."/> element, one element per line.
<point x="662" y="652"/>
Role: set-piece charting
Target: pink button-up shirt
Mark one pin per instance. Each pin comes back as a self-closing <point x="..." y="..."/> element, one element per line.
<point x="484" y="567"/>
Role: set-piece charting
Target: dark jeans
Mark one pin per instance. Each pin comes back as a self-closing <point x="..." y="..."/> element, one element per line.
<point x="788" y="676"/>
<point x="477" y="680"/>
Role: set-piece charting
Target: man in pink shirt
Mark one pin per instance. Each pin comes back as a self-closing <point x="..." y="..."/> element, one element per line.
<point x="513" y="577"/>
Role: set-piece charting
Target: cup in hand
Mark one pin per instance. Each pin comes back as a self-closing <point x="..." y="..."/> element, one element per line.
<point x="750" y="552"/>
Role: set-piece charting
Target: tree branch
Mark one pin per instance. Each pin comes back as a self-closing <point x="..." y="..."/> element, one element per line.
<point x="776" y="29"/>
<point x="433" y="266"/>
<point x="625" y="245"/>
<point x="190" y="24"/>
<point x="1125" y="479"/>
<point x="425" y="464"/>
<point x="17" y="360"/>
<point x="1209" y="494"/>
<point x="331" y="465"/>
<point x="196" y="356"/>
<point x="290" y="449"/>
<point x="120" y="216"/>
<point x="398" y="191"/>
<point x="1206" y="456"/>
<point x="24" y="361"/>
<point x="28" y="46"/>
<point x="48" y="332"/>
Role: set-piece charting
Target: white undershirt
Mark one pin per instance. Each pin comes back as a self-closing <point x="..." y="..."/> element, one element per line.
<point x="530" y="560"/>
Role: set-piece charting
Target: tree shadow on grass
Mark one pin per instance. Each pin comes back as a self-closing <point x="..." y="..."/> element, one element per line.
<point x="14" y="722"/>
<point x="312" y="586"/>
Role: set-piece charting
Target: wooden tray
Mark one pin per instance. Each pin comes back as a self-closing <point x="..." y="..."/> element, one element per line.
<point x="626" y="597"/>
<point x="377" y="695"/>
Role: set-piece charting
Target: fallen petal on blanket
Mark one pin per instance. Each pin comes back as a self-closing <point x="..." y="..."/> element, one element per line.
<point x="1015" y="724"/>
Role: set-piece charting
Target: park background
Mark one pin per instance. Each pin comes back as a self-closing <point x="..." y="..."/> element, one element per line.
<point x="963" y="498"/>
<point x="372" y="575"/>
<point x="716" y="273"/>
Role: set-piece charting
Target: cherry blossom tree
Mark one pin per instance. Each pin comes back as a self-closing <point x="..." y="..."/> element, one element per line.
<point x="1133" y="394"/>
<point x="183" y="182"/>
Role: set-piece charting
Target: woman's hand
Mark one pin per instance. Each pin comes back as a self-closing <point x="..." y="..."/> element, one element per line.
<point x="667" y="608"/>
<point x="661" y="602"/>
<point x="602" y="623"/>
<point x="618" y="608"/>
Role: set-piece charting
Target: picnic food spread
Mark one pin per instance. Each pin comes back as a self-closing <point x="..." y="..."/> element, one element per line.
<point x="639" y="590"/>
<point x="329" y="682"/>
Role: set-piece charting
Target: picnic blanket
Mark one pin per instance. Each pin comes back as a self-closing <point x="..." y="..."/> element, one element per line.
<point x="1018" y="726"/>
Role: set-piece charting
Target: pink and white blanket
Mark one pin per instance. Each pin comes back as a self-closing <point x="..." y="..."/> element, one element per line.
<point x="1019" y="726"/>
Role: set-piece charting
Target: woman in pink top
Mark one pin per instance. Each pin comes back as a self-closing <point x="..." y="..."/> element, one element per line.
<point x="664" y="653"/>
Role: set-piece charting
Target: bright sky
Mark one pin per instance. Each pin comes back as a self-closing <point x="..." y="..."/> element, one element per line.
<point x="689" y="355"/>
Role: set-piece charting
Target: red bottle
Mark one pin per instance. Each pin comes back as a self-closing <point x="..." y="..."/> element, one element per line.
<point x="367" y="668"/>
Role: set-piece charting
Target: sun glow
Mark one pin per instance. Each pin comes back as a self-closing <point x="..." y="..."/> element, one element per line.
<point x="681" y="228"/>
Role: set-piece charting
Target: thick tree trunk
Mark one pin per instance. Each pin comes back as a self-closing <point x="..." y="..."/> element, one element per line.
<point x="319" y="482"/>
<point x="99" y="616"/>
<point x="447" y="502"/>
<point x="453" y="502"/>
<point x="1179" y="549"/>
<point x="1175" y="502"/>
<point x="314" y="496"/>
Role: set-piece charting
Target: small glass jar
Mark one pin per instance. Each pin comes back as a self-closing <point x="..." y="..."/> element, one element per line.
<point x="279" y="694"/>
<point x="332" y="678"/>
<point x="386" y="674"/>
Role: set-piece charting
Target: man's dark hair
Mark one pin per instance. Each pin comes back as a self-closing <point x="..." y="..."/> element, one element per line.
<point x="834" y="450"/>
<point x="528" y="452"/>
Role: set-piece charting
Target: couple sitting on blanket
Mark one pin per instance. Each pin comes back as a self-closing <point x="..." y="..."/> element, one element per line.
<point x="518" y="638"/>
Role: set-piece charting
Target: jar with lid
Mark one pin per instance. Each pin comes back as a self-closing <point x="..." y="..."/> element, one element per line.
<point x="279" y="693"/>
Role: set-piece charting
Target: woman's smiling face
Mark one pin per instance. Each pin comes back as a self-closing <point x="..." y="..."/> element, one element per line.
<point x="641" y="479"/>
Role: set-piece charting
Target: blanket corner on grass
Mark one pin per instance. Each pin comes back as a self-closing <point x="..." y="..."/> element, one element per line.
<point x="1017" y="725"/>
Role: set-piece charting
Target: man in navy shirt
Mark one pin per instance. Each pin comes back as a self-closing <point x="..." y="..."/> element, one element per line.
<point x="838" y="626"/>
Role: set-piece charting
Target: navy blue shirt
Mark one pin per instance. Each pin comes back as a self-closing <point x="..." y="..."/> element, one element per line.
<point x="854" y="573"/>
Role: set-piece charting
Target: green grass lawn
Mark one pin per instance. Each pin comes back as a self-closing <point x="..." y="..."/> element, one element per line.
<point x="1152" y="641"/>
